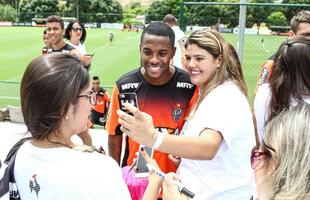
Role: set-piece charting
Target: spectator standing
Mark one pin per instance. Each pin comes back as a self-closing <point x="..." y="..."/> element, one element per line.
<point x="76" y="35"/>
<point x="171" y="21"/>
<point x="55" y="30"/>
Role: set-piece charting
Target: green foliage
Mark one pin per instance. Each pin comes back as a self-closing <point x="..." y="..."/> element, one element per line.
<point x="9" y="2"/>
<point x="36" y="8"/>
<point x="96" y="10"/>
<point x="277" y="19"/>
<point x="131" y="12"/>
<point x="204" y="15"/>
<point x="289" y="13"/>
<point x="259" y="14"/>
<point x="158" y="10"/>
<point x="7" y="13"/>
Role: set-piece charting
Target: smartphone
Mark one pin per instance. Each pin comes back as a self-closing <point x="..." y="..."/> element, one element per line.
<point x="130" y="97"/>
<point x="142" y="170"/>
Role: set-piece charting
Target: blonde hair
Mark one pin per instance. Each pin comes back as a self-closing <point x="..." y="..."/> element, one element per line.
<point x="286" y="139"/>
<point x="230" y="68"/>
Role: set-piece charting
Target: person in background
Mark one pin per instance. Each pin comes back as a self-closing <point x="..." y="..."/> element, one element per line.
<point x="288" y="86"/>
<point x="213" y="145"/>
<point x="171" y="21"/>
<point x="56" y="102"/>
<point x="47" y="43"/>
<point x="55" y="30"/>
<point x="111" y="37"/>
<point x="99" y="111"/>
<point x="76" y="35"/>
<point x="300" y="26"/>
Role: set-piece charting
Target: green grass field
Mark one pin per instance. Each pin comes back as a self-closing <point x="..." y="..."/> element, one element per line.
<point x="19" y="45"/>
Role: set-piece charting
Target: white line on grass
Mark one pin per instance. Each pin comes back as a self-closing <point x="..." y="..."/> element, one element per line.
<point x="16" y="78"/>
<point x="8" y="97"/>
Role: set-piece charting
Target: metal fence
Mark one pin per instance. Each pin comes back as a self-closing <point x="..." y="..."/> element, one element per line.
<point x="256" y="30"/>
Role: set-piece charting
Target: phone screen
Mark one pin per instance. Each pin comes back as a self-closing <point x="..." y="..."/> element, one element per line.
<point x="142" y="170"/>
<point x="127" y="98"/>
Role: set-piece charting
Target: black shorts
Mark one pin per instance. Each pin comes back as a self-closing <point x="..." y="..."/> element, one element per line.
<point x="97" y="118"/>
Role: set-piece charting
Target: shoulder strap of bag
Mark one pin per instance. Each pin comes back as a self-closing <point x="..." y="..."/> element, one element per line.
<point x="8" y="176"/>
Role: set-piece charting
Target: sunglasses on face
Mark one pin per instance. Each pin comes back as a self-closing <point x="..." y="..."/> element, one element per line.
<point x="92" y="97"/>
<point x="77" y="29"/>
<point x="256" y="157"/>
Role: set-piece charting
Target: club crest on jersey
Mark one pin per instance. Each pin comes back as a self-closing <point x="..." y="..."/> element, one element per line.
<point x="176" y="113"/>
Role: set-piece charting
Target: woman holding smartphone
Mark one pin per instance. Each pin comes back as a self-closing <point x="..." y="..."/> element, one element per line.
<point x="76" y="35"/>
<point x="218" y="135"/>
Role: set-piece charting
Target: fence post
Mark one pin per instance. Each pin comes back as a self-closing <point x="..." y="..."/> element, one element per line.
<point x="181" y="15"/>
<point x="242" y="20"/>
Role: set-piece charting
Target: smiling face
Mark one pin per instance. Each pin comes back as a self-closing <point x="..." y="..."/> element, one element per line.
<point x="201" y="65"/>
<point x="55" y="32"/>
<point x="156" y="53"/>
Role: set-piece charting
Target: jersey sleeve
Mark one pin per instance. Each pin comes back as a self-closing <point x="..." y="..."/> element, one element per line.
<point x="112" y="125"/>
<point x="264" y="74"/>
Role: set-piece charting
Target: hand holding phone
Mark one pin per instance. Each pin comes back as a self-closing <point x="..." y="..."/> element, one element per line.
<point x="127" y="98"/>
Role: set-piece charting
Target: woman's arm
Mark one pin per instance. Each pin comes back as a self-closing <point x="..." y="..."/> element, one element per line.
<point x="140" y="128"/>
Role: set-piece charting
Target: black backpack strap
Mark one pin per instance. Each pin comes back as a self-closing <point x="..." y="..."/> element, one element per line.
<point x="8" y="177"/>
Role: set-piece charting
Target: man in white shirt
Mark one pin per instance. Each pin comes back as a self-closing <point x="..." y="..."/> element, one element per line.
<point x="171" y="21"/>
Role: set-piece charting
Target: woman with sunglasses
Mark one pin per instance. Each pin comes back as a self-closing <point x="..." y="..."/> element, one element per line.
<point x="56" y="103"/>
<point x="282" y="164"/>
<point x="76" y="35"/>
<point x="289" y="84"/>
<point x="217" y="137"/>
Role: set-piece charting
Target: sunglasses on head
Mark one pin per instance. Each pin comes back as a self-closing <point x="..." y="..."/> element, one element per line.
<point x="77" y="29"/>
<point x="256" y="156"/>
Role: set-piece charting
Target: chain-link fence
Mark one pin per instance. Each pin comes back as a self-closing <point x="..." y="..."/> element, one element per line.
<point x="266" y="27"/>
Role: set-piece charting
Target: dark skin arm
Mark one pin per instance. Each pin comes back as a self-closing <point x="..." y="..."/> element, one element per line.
<point x="115" y="147"/>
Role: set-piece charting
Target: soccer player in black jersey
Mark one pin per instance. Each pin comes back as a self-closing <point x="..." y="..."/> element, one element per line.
<point x="163" y="91"/>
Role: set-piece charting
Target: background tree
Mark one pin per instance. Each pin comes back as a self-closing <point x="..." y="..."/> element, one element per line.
<point x="277" y="19"/>
<point x="7" y="13"/>
<point x="289" y="12"/>
<point x="259" y="14"/>
<point x="95" y="10"/>
<point x="204" y="15"/>
<point x="229" y="15"/>
<point x="158" y="10"/>
<point x="37" y="8"/>
<point x="13" y="3"/>
<point x="131" y="12"/>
